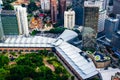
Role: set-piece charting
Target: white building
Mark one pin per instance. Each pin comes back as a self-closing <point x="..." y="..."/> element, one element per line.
<point x="22" y="20"/>
<point x="45" y="4"/>
<point x="69" y="19"/>
<point x="105" y="4"/>
<point x="101" y="20"/>
<point x="1" y="2"/>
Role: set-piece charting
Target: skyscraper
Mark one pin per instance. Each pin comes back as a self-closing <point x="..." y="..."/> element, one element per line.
<point x="62" y="8"/>
<point x="9" y="22"/>
<point x="111" y="26"/>
<point x="116" y="6"/>
<point x="116" y="40"/>
<point x="78" y="7"/>
<point x="91" y="14"/>
<point x="105" y="4"/>
<point x="45" y="5"/>
<point x="54" y="12"/>
<point x="22" y="20"/>
<point x="101" y="20"/>
<point x="69" y="19"/>
<point x="118" y="17"/>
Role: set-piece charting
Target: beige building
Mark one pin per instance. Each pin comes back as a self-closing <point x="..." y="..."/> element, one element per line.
<point x="22" y="20"/>
<point x="69" y="19"/>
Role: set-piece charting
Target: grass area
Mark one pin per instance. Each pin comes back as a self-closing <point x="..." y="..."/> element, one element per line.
<point x="35" y="66"/>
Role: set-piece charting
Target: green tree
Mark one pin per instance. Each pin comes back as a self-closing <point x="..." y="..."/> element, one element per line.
<point x="8" y="6"/>
<point x="57" y="30"/>
<point x="32" y="7"/>
<point x="19" y="72"/>
<point x="3" y="73"/>
<point x="3" y="60"/>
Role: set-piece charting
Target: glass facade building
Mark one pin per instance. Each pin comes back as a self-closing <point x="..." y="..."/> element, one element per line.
<point x="91" y="17"/>
<point x="111" y="26"/>
<point x="9" y="22"/>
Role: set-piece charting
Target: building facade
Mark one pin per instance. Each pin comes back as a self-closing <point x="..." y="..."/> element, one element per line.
<point x="45" y="5"/>
<point x="111" y="26"/>
<point x="69" y="19"/>
<point x="116" y="40"/>
<point x="118" y="17"/>
<point x="101" y="20"/>
<point x="62" y="8"/>
<point x="1" y="31"/>
<point x="91" y="15"/>
<point x="116" y="6"/>
<point x="22" y="20"/>
<point x="9" y="22"/>
<point x="54" y="12"/>
<point x="78" y="7"/>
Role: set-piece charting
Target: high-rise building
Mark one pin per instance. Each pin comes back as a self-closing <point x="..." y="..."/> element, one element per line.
<point x="45" y="5"/>
<point x="62" y="8"/>
<point x="111" y="26"/>
<point x="118" y="17"/>
<point x="69" y="19"/>
<point x="78" y="7"/>
<point x="9" y="22"/>
<point x="53" y="7"/>
<point x="105" y="4"/>
<point x="1" y="29"/>
<point x="116" y="40"/>
<point x="116" y="6"/>
<point x="92" y="14"/>
<point x="22" y="20"/>
<point x="91" y="17"/>
<point x="101" y="20"/>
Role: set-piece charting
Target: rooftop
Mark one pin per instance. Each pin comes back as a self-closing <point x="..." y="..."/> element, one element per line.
<point x="84" y="67"/>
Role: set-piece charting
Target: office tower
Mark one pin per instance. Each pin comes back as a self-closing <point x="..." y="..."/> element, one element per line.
<point x="92" y="13"/>
<point x="9" y="22"/>
<point x="22" y="20"/>
<point x="118" y="17"/>
<point x="116" y="6"/>
<point x="78" y="7"/>
<point x="69" y="19"/>
<point x="45" y="5"/>
<point x="101" y="20"/>
<point x="111" y="26"/>
<point x="62" y="8"/>
<point x="53" y="7"/>
<point x="116" y="40"/>
<point x="105" y="4"/>
<point x="91" y="17"/>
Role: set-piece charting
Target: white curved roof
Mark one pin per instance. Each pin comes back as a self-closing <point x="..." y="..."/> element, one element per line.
<point x="69" y="52"/>
<point x="68" y="35"/>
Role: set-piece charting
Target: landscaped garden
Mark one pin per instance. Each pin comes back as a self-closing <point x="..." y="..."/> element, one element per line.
<point x="42" y="65"/>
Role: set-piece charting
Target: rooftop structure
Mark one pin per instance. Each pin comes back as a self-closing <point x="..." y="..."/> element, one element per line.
<point x="8" y="12"/>
<point x="80" y="66"/>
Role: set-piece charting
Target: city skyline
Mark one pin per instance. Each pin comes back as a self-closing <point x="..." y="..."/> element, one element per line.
<point x="84" y="35"/>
